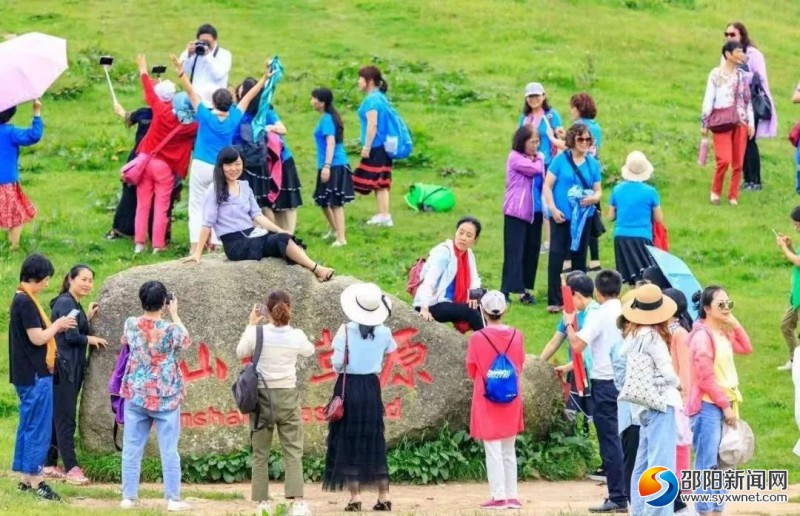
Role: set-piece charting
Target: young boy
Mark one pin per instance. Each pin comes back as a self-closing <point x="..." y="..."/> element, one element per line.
<point x="789" y="321"/>
<point x="600" y="333"/>
<point x="582" y="290"/>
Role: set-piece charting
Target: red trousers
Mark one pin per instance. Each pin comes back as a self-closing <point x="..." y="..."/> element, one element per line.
<point x="729" y="150"/>
<point x="156" y="186"/>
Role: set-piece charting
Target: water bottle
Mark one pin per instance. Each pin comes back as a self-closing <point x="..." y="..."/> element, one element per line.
<point x="702" y="156"/>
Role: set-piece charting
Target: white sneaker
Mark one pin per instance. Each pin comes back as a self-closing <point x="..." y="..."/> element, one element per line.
<point x="733" y="202"/>
<point x="264" y="509"/>
<point x="177" y="506"/>
<point x="376" y="219"/>
<point x="385" y="221"/>
<point x="786" y="367"/>
<point x="339" y="244"/>
<point x="138" y="249"/>
<point x="127" y="504"/>
<point x="300" y="509"/>
<point x="330" y="234"/>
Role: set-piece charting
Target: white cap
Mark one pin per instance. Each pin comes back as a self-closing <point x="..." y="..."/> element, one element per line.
<point x="494" y="302"/>
<point x="534" y="88"/>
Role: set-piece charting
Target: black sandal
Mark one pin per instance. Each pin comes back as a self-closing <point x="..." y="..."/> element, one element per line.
<point x="353" y="507"/>
<point x="383" y="506"/>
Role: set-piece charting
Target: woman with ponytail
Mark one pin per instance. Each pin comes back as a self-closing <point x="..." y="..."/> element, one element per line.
<point x="714" y="395"/>
<point x="334" y="177"/>
<point x="279" y="402"/>
<point x="70" y="369"/>
<point x="374" y="172"/>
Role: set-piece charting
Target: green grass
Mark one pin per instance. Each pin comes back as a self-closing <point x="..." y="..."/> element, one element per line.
<point x="456" y="70"/>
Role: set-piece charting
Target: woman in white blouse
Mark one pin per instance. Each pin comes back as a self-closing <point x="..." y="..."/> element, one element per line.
<point x="728" y="90"/>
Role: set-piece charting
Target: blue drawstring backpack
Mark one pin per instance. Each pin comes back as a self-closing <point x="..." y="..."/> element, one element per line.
<point x="501" y="384"/>
<point x="398" y="144"/>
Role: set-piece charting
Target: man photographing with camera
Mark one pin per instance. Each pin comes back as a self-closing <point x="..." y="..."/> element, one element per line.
<point x="206" y="63"/>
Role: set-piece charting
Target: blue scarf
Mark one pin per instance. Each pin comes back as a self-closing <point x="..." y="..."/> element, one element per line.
<point x="260" y="120"/>
<point x="580" y="214"/>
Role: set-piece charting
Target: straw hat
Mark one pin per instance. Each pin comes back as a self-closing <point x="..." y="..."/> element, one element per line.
<point x="365" y="303"/>
<point x="636" y="167"/>
<point x="649" y="306"/>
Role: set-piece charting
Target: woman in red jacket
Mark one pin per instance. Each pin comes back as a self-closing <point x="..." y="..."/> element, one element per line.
<point x="496" y="424"/>
<point x="158" y="179"/>
<point x="714" y="396"/>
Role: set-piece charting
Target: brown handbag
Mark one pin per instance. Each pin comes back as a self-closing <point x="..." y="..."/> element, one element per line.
<point x="722" y="120"/>
<point x="335" y="409"/>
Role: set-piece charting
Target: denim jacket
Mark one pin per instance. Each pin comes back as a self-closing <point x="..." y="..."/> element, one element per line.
<point x="439" y="272"/>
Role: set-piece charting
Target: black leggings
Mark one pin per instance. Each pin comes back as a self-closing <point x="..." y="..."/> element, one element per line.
<point x="447" y="312"/>
<point x="521" y="242"/>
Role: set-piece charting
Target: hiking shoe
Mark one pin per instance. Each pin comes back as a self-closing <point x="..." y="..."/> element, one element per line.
<point x="608" y="506"/>
<point x="177" y="506"/>
<point x="127" y="504"/>
<point x="44" y="491"/>
<point x="53" y="472"/>
<point x="513" y="503"/>
<point x="786" y="367"/>
<point x="494" y="505"/>
<point x="76" y="477"/>
<point x="300" y="509"/>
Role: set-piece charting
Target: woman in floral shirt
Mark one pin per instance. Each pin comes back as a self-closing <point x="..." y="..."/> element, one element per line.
<point x="153" y="390"/>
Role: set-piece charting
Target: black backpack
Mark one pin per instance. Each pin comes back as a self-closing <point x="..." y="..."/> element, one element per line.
<point x="245" y="388"/>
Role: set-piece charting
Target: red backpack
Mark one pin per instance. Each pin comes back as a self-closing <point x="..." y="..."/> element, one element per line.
<point x="794" y="134"/>
<point x="415" y="277"/>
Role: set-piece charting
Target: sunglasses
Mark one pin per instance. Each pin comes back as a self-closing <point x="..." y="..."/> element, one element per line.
<point x="584" y="139"/>
<point x="730" y="34"/>
<point x="722" y="305"/>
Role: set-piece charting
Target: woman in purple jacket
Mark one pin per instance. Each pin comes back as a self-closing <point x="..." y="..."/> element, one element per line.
<point x="522" y="231"/>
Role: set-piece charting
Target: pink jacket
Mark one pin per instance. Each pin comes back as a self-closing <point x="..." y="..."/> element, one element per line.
<point x="520" y="170"/>
<point x="704" y="380"/>
<point x="682" y="360"/>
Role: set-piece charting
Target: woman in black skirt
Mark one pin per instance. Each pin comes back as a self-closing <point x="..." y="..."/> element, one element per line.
<point x="356" y="455"/>
<point x="334" y="178"/>
<point x="230" y="209"/>
<point x="374" y="172"/>
<point x="635" y="206"/>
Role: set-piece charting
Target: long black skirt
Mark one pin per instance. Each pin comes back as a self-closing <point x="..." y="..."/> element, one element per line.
<point x="260" y="181"/>
<point x="239" y="246"/>
<point x="631" y="257"/>
<point x="356" y="443"/>
<point x="373" y="173"/>
<point x="338" y="191"/>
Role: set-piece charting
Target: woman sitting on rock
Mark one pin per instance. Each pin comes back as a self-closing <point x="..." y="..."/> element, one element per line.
<point x="447" y="278"/>
<point x="231" y="210"/>
<point x="356" y="443"/>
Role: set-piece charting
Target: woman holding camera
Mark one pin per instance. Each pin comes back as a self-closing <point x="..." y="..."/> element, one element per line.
<point x="153" y="390"/>
<point x="278" y="397"/>
<point x="215" y="131"/>
<point x="70" y="365"/>
<point x="451" y="288"/>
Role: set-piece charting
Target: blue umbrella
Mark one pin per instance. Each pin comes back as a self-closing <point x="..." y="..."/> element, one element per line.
<point x="259" y="123"/>
<point x="678" y="275"/>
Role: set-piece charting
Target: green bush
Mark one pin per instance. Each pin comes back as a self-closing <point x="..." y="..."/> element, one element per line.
<point x="446" y="456"/>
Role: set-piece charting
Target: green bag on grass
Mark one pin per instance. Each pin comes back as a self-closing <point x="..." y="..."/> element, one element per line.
<point x="422" y="197"/>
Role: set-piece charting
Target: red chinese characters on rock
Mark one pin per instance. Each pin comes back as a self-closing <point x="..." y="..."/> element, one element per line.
<point x="204" y="369"/>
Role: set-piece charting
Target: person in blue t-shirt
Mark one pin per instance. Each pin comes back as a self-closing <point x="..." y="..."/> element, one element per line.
<point x="334" y="178"/>
<point x="560" y="179"/>
<point x="214" y="132"/>
<point x="634" y="207"/>
<point x="374" y="172"/>
<point x="584" y="111"/>
<point x="547" y="122"/>
<point x="16" y="209"/>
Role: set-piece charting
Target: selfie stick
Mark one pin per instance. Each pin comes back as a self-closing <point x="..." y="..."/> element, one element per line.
<point x="110" y="86"/>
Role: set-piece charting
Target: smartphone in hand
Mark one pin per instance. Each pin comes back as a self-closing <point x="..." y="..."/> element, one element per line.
<point x="74" y="313"/>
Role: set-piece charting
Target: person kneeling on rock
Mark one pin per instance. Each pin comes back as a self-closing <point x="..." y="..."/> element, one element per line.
<point x="495" y="358"/>
<point x="278" y="398"/>
<point x="231" y="210"/>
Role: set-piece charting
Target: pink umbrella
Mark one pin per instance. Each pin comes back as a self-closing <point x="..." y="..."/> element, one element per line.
<point x="29" y="64"/>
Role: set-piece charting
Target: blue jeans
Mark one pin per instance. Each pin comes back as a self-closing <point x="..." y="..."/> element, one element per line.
<point x="658" y="437"/>
<point x="707" y="433"/>
<point x="138" y="421"/>
<point x="35" y="426"/>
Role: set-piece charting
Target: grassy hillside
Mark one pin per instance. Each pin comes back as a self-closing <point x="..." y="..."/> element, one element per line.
<point x="456" y="70"/>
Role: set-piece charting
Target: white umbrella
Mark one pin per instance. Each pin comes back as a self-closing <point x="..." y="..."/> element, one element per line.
<point x="29" y="65"/>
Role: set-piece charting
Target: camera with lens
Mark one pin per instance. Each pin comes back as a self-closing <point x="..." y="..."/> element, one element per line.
<point x="475" y="294"/>
<point x="200" y="47"/>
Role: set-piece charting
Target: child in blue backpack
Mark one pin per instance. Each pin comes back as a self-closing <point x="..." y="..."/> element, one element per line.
<point x="495" y="423"/>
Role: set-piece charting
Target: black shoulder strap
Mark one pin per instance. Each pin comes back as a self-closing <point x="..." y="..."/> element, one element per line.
<point x="489" y="341"/>
<point x="510" y="341"/>
<point x="577" y="171"/>
<point x="259" y="343"/>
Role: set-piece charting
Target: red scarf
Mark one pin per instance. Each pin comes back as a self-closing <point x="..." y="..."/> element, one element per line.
<point x="462" y="280"/>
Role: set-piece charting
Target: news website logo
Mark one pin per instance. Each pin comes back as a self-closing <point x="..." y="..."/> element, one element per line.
<point x="653" y="481"/>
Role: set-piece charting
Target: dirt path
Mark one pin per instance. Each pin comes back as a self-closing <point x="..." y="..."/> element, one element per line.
<point x="538" y="498"/>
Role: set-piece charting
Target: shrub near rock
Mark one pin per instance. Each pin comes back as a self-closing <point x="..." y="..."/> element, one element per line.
<point x="424" y="382"/>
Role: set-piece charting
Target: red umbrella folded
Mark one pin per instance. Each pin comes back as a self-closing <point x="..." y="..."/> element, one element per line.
<point x="578" y="368"/>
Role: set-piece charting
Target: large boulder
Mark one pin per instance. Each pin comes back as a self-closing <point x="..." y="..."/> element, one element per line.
<point x="424" y="383"/>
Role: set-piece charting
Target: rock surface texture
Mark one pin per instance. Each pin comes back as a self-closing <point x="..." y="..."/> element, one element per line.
<point x="424" y="382"/>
